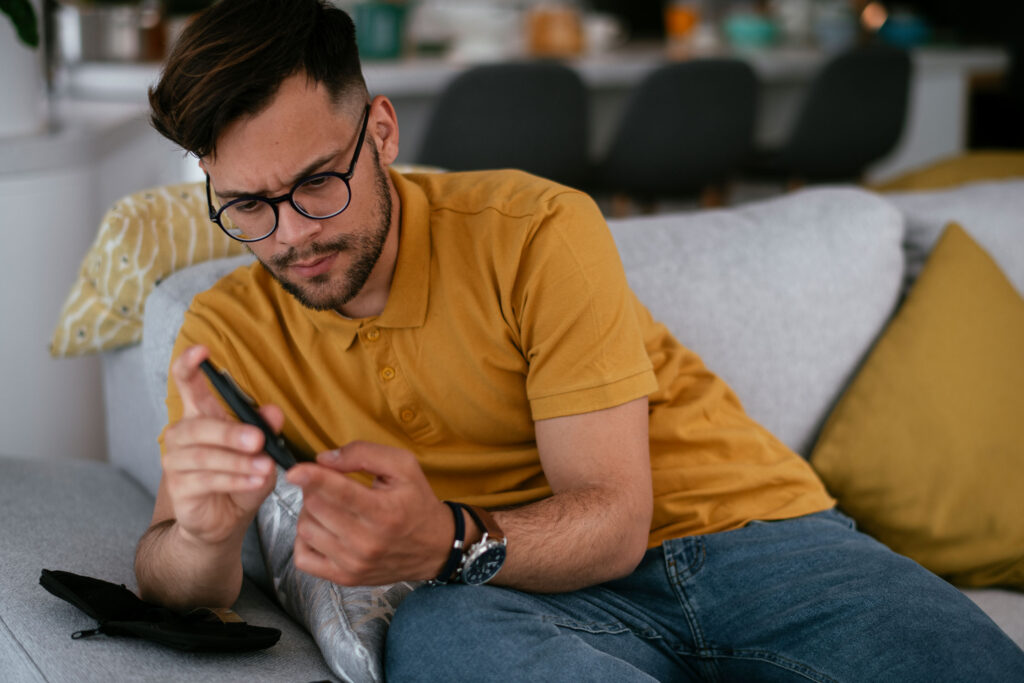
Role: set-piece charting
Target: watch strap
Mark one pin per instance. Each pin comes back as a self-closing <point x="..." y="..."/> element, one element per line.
<point x="451" y="568"/>
<point x="485" y="522"/>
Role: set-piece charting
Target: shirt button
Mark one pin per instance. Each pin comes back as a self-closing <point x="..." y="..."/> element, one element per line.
<point x="387" y="373"/>
<point x="408" y="415"/>
<point x="373" y="335"/>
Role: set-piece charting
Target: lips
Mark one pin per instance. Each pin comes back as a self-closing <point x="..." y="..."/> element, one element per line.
<point x="314" y="267"/>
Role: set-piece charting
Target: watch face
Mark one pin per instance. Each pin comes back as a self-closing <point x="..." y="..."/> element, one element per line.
<point x="484" y="564"/>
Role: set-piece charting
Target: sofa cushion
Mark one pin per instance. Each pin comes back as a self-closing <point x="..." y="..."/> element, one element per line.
<point x="1005" y="607"/>
<point x="164" y="314"/>
<point x="86" y="518"/>
<point x="990" y="211"/>
<point x="780" y="298"/>
<point x="924" y="450"/>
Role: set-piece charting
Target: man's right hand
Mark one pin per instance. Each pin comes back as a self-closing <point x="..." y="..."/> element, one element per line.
<point x="215" y="473"/>
<point x="214" y="478"/>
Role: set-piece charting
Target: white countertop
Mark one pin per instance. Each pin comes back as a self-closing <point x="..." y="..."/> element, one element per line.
<point x="106" y="103"/>
<point x="425" y="76"/>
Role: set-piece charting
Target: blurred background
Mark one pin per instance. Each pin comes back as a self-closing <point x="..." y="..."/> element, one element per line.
<point x="74" y="134"/>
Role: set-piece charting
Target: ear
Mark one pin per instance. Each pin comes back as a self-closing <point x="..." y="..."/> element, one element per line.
<point x="383" y="128"/>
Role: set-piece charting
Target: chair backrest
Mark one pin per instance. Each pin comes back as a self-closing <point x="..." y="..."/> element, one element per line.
<point x="853" y="115"/>
<point x="527" y="115"/>
<point x="687" y="125"/>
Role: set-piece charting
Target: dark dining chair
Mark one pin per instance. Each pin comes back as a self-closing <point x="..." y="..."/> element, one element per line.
<point x="527" y="115"/>
<point x="686" y="129"/>
<point x="852" y="116"/>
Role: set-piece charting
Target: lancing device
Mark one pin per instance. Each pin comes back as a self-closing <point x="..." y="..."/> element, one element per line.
<point x="276" y="445"/>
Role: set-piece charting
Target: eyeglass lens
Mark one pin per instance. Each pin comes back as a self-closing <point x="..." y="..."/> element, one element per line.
<point x="252" y="218"/>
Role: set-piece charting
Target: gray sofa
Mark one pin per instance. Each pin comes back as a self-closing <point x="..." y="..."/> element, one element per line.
<point x="783" y="298"/>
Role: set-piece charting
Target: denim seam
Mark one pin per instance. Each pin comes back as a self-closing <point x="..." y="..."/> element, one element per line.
<point x="676" y="580"/>
<point x="610" y="627"/>
<point x="596" y="628"/>
<point x="778" y="660"/>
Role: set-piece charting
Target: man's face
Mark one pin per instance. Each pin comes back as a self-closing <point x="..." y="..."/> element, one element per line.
<point x="327" y="263"/>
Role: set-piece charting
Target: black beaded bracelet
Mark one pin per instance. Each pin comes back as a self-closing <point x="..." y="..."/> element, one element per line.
<point x="455" y="556"/>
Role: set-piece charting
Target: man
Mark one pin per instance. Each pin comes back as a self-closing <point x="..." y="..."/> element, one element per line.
<point x="471" y="338"/>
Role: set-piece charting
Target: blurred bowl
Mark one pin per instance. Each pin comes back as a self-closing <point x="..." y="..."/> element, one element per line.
<point x="904" y="29"/>
<point x="750" y="30"/>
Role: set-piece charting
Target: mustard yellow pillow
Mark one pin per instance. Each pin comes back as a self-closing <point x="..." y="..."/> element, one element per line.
<point x="958" y="170"/>
<point x="926" y="447"/>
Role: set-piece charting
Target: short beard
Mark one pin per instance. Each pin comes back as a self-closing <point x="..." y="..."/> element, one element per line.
<point x="317" y="293"/>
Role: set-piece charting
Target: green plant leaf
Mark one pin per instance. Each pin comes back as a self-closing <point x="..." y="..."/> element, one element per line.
<point x="24" y="18"/>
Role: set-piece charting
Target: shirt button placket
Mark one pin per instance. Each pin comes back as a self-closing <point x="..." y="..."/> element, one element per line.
<point x="396" y="391"/>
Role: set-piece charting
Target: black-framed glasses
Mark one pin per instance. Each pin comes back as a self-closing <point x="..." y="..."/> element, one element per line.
<point x="251" y="218"/>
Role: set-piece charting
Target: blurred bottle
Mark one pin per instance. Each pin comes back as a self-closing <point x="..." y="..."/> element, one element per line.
<point x="681" y="20"/>
<point x="380" y="28"/>
<point x="554" y="29"/>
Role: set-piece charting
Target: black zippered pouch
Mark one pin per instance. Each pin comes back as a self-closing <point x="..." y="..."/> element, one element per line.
<point x="121" y="613"/>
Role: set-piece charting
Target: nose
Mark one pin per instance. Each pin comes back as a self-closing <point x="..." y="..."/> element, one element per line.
<point x="294" y="229"/>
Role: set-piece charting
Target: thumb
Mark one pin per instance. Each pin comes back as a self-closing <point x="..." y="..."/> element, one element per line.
<point x="274" y="417"/>
<point x="383" y="462"/>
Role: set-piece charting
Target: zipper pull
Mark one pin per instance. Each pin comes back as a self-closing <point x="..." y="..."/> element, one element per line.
<point x="77" y="635"/>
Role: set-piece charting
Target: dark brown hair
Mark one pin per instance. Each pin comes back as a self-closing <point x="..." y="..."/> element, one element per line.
<point x="232" y="58"/>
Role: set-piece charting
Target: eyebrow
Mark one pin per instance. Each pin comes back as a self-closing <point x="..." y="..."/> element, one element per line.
<point x="309" y="170"/>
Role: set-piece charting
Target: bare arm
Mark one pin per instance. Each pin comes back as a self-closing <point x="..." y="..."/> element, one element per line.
<point x="595" y="526"/>
<point x="177" y="570"/>
<point x="214" y="480"/>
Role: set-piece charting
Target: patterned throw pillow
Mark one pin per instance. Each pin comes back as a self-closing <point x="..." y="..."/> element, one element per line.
<point x="142" y="239"/>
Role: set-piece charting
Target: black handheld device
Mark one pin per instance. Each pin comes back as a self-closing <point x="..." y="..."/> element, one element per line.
<point x="276" y="446"/>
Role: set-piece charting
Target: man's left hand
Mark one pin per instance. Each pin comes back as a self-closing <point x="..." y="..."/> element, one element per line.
<point x="354" y="535"/>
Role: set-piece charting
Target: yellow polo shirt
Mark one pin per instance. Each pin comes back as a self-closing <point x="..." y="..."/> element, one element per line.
<point x="509" y="304"/>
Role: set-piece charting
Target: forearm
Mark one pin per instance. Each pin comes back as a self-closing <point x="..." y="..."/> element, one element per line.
<point x="180" y="572"/>
<point x="573" y="539"/>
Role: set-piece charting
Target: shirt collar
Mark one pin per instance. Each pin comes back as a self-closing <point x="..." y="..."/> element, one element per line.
<point x="407" y="300"/>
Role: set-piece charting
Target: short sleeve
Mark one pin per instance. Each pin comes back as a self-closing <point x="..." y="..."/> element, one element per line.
<point x="577" y="316"/>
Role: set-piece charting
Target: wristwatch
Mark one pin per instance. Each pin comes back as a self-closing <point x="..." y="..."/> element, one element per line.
<point x="483" y="560"/>
<point x="451" y="568"/>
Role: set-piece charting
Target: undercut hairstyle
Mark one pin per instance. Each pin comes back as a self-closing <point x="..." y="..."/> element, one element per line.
<point x="231" y="59"/>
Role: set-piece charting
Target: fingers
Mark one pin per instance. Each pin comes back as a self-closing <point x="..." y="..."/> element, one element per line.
<point x="351" y="560"/>
<point x="352" y="534"/>
<point x="310" y="561"/>
<point x="214" y="432"/>
<point x="384" y="462"/>
<point x="339" y="491"/>
<point x="193" y="387"/>
<point x="214" y="471"/>
<point x="212" y="455"/>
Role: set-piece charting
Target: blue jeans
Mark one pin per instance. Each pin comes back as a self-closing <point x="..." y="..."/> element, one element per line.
<point x="802" y="599"/>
